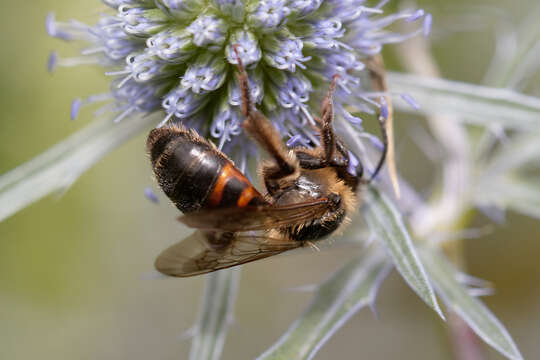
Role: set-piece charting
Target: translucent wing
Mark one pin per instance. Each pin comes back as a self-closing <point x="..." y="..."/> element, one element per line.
<point x="207" y="251"/>
<point x="261" y="217"/>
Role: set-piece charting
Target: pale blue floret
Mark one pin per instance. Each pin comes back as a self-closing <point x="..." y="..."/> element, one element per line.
<point x="326" y="33"/>
<point x="293" y="93"/>
<point x="178" y="57"/>
<point x="269" y="14"/>
<point x="208" y="31"/>
<point x="226" y="125"/>
<point x="115" y="42"/>
<point x="345" y="64"/>
<point x="286" y="54"/>
<point x="173" y="46"/>
<point x="133" y="96"/>
<point x="418" y="14"/>
<point x="140" y="21"/>
<point x="297" y="140"/>
<point x="256" y="91"/>
<point x="305" y="7"/>
<point x="182" y="103"/>
<point x="146" y="66"/>
<point x="53" y="30"/>
<point x="247" y="46"/>
<point x="206" y="74"/>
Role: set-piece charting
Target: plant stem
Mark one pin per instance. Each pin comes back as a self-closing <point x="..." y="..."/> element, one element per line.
<point x="466" y="344"/>
<point x="216" y="315"/>
<point x="451" y="211"/>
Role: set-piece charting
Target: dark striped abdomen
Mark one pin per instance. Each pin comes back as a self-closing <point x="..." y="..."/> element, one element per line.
<point x="194" y="174"/>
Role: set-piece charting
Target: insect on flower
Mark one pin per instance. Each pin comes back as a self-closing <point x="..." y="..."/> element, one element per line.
<point x="309" y="191"/>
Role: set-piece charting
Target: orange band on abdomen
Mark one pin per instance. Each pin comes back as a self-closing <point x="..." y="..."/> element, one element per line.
<point x="246" y="196"/>
<point x="217" y="193"/>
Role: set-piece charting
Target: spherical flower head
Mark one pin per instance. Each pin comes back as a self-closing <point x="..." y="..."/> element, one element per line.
<point x="178" y="58"/>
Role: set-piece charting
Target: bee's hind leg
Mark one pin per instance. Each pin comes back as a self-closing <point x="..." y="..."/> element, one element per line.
<point x="264" y="132"/>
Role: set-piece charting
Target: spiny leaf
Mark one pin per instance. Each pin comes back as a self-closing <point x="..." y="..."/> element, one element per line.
<point x="469" y="308"/>
<point x="216" y="315"/>
<point x="386" y="223"/>
<point x="473" y="103"/>
<point x="57" y="168"/>
<point x="351" y="288"/>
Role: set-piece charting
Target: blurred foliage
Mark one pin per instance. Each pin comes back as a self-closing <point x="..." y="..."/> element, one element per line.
<point x="74" y="272"/>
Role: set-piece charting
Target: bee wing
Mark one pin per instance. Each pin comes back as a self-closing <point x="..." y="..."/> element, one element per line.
<point x="207" y="251"/>
<point x="261" y="217"/>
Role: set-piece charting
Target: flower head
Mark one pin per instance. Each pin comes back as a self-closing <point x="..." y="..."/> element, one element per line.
<point x="177" y="57"/>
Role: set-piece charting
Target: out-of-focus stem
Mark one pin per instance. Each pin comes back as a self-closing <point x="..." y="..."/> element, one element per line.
<point x="216" y="315"/>
<point x="466" y="344"/>
<point x="449" y="212"/>
<point x="444" y="213"/>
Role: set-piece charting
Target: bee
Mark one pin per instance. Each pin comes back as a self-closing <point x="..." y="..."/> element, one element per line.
<point x="308" y="191"/>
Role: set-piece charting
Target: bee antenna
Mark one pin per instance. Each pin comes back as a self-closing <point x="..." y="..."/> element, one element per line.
<point x="384" y="133"/>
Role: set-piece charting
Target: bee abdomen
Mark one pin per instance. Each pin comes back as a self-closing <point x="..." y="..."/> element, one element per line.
<point x="194" y="174"/>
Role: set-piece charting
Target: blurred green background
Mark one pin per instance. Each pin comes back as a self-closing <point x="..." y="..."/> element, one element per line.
<point x="75" y="270"/>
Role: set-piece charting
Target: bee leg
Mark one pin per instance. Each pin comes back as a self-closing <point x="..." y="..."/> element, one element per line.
<point x="308" y="161"/>
<point x="341" y="148"/>
<point x="264" y="132"/>
<point x="328" y="138"/>
<point x="330" y="142"/>
<point x="243" y="81"/>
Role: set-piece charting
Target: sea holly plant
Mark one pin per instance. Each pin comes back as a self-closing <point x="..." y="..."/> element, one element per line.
<point x="173" y="61"/>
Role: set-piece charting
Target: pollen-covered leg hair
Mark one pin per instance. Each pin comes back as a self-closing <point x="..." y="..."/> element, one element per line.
<point x="264" y="132"/>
